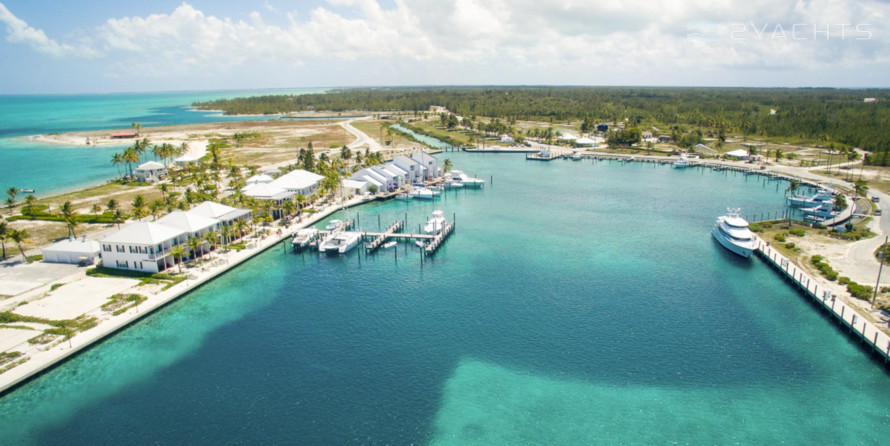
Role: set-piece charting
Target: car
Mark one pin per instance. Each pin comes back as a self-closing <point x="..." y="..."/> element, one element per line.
<point x="875" y="198"/>
<point x="877" y="212"/>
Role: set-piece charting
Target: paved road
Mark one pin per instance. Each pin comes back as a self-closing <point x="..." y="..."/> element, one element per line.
<point x="362" y="138"/>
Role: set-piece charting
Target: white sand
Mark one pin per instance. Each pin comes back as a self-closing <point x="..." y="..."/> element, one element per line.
<point x="74" y="299"/>
<point x="11" y="337"/>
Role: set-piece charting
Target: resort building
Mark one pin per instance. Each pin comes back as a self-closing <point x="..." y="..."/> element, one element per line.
<point x="150" y="172"/>
<point x="430" y="163"/>
<point x="415" y="169"/>
<point x="585" y="142"/>
<point x="141" y="246"/>
<point x="506" y="139"/>
<point x="259" y="179"/>
<point x="191" y="224"/>
<point x="299" y="182"/>
<point x="226" y="215"/>
<point x="72" y="250"/>
<point x="391" y="180"/>
<point x="267" y="191"/>
<point x="738" y="154"/>
<point x="354" y="187"/>
<point x="404" y="176"/>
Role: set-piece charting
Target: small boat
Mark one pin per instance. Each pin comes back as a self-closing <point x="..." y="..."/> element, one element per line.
<point x="304" y="237"/>
<point x="466" y="180"/>
<point x="732" y="232"/>
<point x="27" y="191"/>
<point x="419" y="243"/>
<point x="452" y="184"/>
<point x="681" y="162"/>
<point x="333" y="225"/>
<point x="812" y="201"/>
<point x="402" y="197"/>
<point x="435" y="224"/>
<point x="339" y="243"/>
<point x="422" y="193"/>
<point x="388" y="245"/>
<point x="825" y="210"/>
<point x="576" y="156"/>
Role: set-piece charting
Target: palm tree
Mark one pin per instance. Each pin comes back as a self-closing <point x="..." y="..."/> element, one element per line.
<point x="226" y="232"/>
<point x="20" y="236"/>
<point x="116" y="160"/>
<point x="111" y="205"/>
<point x="177" y="253"/>
<point x="117" y="217"/>
<point x="4" y="234"/>
<point x="95" y="209"/>
<point x="242" y="227"/>
<point x="195" y="243"/>
<point x="793" y="185"/>
<point x="210" y="237"/>
<point x="861" y="187"/>
<point x="12" y="192"/>
<point x="139" y="206"/>
<point x="163" y="187"/>
<point x="30" y="200"/>
<point x="155" y="207"/>
<point x="69" y="216"/>
<point x="136" y="126"/>
<point x="447" y="165"/>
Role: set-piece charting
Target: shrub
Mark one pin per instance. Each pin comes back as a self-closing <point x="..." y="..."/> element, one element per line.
<point x="816" y="259"/>
<point x="858" y="291"/>
<point x="843" y="280"/>
<point x="779" y="238"/>
<point x="789" y="245"/>
<point x="765" y="224"/>
<point x="797" y="232"/>
<point x="755" y="227"/>
<point x="55" y="285"/>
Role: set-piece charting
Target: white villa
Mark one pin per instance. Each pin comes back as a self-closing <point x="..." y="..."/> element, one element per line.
<point x="150" y="172"/>
<point x="259" y="179"/>
<point x="738" y="154"/>
<point x="415" y="169"/>
<point x="430" y="163"/>
<point x="354" y="187"/>
<point x="267" y="191"/>
<point x="141" y="246"/>
<point x="300" y="182"/>
<point x="193" y="225"/>
<point x="226" y="215"/>
<point x="506" y="139"/>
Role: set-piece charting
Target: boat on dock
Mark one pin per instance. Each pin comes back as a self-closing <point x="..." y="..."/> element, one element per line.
<point x="340" y="243"/>
<point x="333" y="225"/>
<point x="732" y="232"/>
<point x="304" y="237"/>
<point x="681" y="162"/>
<point x="812" y="201"/>
<point x="453" y="184"/>
<point x="825" y="210"/>
<point x="421" y="193"/>
<point x="388" y="245"/>
<point x="467" y="181"/>
<point x="402" y="197"/>
<point x="435" y="224"/>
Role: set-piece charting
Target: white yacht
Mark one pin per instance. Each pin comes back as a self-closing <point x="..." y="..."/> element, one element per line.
<point x="340" y="243"/>
<point x="435" y="224"/>
<point x="812" y="201"/>
<point x="303" y="237"/>
<point x="451" y="183"/>
<point x="333" y="225"/>
<point x="824" y="210"/>
<point x="732" y="232"/>
<point x="466" y="180"/>
<point x="422" y="193"/>
<point x="681" y="162"/>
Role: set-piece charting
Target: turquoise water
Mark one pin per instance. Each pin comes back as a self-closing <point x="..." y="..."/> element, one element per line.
<point x="576" y="303"/>
<point x="432" y="142"/>
<point x="50" y="168"/>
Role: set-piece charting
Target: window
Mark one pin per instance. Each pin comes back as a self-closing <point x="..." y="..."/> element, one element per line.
<point x="119" y="248"/>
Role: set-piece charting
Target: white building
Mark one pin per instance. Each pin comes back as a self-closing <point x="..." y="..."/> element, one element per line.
<point x="738" y="154"/>
<point x="141" y="246"/>
<point x="585" y="142"/>
<point x="192" y="224"/>
<point x="259" y="179"/>
<point x="226" y="215"/>
<point x="415" y="170"/>
<point x="506" y="139"/>
<point x="391" y="180"/>
<point x="298" y="181"/>
<point x="150" y="172"/>
<point x="72" y="251"/>
<point x="429" y="162"/>
<point x="267" y="191"/>
<point x="404" y="176"/>
<point x="354" y="187"/>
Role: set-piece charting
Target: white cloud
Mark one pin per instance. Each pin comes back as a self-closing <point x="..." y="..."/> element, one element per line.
<point x="18" y="31"/>
<point x="529" y="36"/>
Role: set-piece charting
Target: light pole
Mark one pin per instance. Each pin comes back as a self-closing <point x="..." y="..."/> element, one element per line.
<point x="881" y="255"/>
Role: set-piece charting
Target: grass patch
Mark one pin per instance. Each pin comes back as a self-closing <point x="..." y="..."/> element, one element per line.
<point x="799" y="232"/>
<point x="120" y="303"/>
<point x="55" y="286"/>
<point x="35" y="258"/>
<point x="824" y="268"/>
<point x="9" y="360"/>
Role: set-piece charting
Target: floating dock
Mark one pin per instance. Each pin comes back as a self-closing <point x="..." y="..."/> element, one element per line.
<point x="374" y="240"/>
<point x="859" y="327"/>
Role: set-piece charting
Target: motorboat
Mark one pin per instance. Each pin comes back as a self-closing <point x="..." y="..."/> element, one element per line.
<point x="435" y="224"/>
<point x="419" y="243"/>
<point x="824" y="210"/>
<point x="466" y="180"/>
<point x="402" y="197"/>
<point x="333" y="225"/>
<point x="422" y="193"/>
<point x="388" y="245"/>
<point x="811" y="201"/>
<point x="453" y="184"/>
<point x="732" y="232"/>
<point x="340" y="243"/>
<point x="681" y="162"/>
<point x="304" y="237"/>
<point x="576" y="156"/>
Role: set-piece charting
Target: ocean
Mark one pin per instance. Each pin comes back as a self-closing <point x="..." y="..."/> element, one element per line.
<point x="53" y="168"/>
<point x="576" y="303"/>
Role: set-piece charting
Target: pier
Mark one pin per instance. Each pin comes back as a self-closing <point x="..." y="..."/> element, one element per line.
<point x="380" y="239"/>
<point x="438" y="239"/>
<point x="858" y="326"/>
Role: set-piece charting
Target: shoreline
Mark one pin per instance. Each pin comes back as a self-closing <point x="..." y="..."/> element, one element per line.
<point x="48" y="359"/>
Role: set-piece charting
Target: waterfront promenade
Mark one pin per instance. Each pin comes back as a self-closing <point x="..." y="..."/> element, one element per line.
<point x="41" y="358"/>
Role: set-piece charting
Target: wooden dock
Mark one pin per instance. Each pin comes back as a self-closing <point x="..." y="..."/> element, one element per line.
<point x="872" y="338"/>
<point x="380" y="239"/>
<point x="437" y="241"/>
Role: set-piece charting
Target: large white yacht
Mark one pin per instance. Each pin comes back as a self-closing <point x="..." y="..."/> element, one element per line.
<point x="340" y="243"/>
<point x="303" y="237"/>
<point x="681" y="162"/>
<point x="435" y="224"/>
<point x="466" y="180"/>
<point x="732" y="232"/>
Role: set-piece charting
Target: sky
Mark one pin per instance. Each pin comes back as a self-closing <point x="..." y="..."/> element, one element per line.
<point x="101" y="46"/>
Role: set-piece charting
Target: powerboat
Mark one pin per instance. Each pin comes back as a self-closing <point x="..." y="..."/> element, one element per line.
<point x="435" y="224"/>
<point x="466" y="180"/>
<point x="422" y="193"/>
<point x="681" y="162"/>
<point x="303" y="237"/>
<point x="812" y="201"/>
<point x="453" y="184"/>
<point x="340" y="243"/>
<point x="402" y="197"/>
<point x="388" y="245"/>
<point x="824" y="210"/>
<point x="333" y="225"/>
<point x="732" y="232"/>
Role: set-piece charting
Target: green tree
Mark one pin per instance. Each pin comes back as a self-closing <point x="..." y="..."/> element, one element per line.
<point x="12" y="192"/>
<point x="69" y="216"/>
<point x="20" y="236"/>
<point x="861" y="187"/>
<point x="30" y="201"/>
<point x="138" y="206"/>
<point x="840" y="201"/>
<point x="447" y="165"/>
<point x="177" y="252"/>
<point x="4" y="234"/>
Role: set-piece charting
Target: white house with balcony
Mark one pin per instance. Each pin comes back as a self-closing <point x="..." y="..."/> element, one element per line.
<point x="354" y="187"/>
<point x="430" y="163"/>
<point x="416" y="171"/>
<point x="193" y="225"/>
<point x="404" y="176"/>
<point x="141" y="246"/>
<point x="390" y="179"/>
<point x="300" y="182"/>
<point x="150" y="172"/>
<point x="226" y="215"/>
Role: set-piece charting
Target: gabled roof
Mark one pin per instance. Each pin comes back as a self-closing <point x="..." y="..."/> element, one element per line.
<point x="260" y="178"/>
<point x="362" y="176"/>
<point x="143" y="233"/>
<point x="218" y="211"/>
<point x="394" y="168"/>
<point x="297" y="179"/>
<point x="404" y="160"/>
<point x="76" y="245"/>
<point x="266" y="191"/>
<point x="151" y="165"/>
<point x="354" y="184"/>
<point x="369" y="172"/>
<point x="423" y="157"/>
<point x="737" y="153"/>
<point x="382" y="171"/>
<point x="187" y="221"/>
